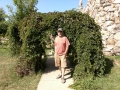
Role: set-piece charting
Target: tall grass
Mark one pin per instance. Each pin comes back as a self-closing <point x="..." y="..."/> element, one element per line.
<point x="8" y="78"/>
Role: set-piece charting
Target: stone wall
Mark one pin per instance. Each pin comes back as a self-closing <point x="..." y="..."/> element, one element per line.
<point x="107" y="14"/>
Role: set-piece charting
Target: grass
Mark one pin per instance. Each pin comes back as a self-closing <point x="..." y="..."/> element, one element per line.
<point x="110" y="81"/>
<point x="8" y="78"/>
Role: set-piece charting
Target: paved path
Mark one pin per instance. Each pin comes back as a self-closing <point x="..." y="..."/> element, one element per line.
<point x="48" y="80"/>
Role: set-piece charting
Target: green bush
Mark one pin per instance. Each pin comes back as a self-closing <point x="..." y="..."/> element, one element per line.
<point x="32" y="36"/>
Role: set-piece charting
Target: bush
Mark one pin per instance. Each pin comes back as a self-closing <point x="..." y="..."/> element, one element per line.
<point x="32" y="48"/>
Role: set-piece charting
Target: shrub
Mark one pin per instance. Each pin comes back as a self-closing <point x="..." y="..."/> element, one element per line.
<point x="32" y="35"/>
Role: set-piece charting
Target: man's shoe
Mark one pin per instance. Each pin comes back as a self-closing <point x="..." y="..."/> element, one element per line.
<point x="63" y="80"/>
<point x="59" y="76"/>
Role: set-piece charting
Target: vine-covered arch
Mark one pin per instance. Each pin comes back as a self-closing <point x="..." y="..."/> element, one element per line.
<point x="81" y="30"/>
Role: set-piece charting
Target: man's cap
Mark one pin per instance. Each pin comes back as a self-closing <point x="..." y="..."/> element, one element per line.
<point x="60" y="29"/>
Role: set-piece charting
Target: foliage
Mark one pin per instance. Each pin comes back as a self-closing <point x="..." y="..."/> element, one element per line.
<point x="3" y="23"/>
<point x="23" y="8"/>
<point x="83" y="33"/>
<point x="32" y="34"/>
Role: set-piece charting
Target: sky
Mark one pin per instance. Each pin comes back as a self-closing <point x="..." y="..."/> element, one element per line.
<point x="45" y="6"/>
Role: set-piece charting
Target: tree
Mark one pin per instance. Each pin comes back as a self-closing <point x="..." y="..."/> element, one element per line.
<point x="23" y="24"/>
<point x="2" y="13"/>
<point x="23" y="9"/>
<point x="3" y="23"/>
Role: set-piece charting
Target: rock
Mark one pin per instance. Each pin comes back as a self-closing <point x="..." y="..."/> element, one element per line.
<point x="117" y="44"/>
<point x="108" y="23"/>
<point x="101" y="8"/>
<point x="116" y="1"/>
<point x="116" y="50"/>
<point x="104" y="42"/>
<point x="107" y="17"/>
<point x="117" y="36"/>
<point x="105" y="35"/>
<point x="108" y="53"/>
<point x="110" y="41"/>
<point x="102" y="1"/>
<point x="117" y="20"/>
<point x="111" y="28"/>
<point x="106" y="8"/>
<point x="108" y="48"/>
<point x="116" y="13"/>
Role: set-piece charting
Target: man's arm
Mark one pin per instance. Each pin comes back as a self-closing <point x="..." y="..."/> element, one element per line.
<point x="67" y="45"/>
<point x="66" y="50"/>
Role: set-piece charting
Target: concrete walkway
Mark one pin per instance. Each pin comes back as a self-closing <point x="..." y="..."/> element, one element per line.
<point x="48" y="80"/>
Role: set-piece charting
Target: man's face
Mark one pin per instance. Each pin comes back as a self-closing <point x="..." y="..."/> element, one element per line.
<point x="60" y="33"/>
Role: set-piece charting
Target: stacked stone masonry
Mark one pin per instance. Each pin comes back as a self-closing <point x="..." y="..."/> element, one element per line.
<point x="107" y="14"/>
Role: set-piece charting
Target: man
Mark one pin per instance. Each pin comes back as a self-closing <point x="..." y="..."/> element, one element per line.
<point x="61" y="44"/>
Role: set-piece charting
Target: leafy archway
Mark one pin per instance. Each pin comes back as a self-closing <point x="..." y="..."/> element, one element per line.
<point x="29" y="33"/>
<point x="81" y="30"/>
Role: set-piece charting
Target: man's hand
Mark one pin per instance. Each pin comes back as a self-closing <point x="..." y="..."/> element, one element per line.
<point x="65" y="53"/>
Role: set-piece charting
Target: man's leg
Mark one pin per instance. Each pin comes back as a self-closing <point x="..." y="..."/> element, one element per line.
<point x="60" y="69"/>
<point x="58" y="64"/>
<point x="60" y="74"/>
<point x="63" y="67"/>
<point x="63" y="72"/>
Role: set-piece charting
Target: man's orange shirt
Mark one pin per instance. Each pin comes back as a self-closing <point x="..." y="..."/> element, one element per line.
<point x="60" y="45"/>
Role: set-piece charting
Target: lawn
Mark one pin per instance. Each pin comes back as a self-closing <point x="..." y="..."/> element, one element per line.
<point x="8" y="78"/>
<point x="111" y="80"/>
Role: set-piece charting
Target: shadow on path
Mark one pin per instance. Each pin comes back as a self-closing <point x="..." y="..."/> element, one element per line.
<point x="48" y="79"/>
<point x="50" y="66"/>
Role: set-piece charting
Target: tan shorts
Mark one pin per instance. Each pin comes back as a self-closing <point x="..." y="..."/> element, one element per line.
<point x="60" y="60"/>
